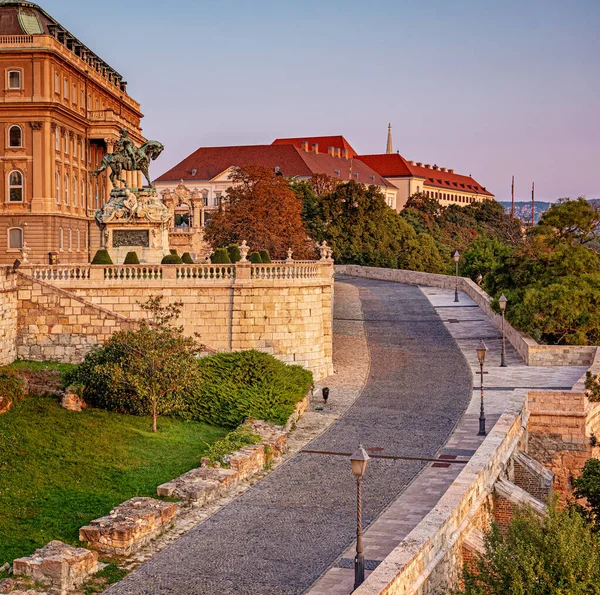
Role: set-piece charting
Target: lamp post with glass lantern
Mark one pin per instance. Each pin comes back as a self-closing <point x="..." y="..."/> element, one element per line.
<point x="456" y="257"/>
<point x="481" y="352"/>
<point x="359" y="465"/>
<point x="502" y="301"/>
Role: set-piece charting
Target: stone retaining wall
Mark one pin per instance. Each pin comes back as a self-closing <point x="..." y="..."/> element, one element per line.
<point x="8" y="316"/>
<point x="532" y="353"/>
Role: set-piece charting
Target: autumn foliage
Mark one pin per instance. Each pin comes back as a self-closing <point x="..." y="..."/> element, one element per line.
<point x="263" y="210"/>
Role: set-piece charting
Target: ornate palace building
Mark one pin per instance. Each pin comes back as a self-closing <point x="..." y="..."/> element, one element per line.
<point x="61" y="110"/>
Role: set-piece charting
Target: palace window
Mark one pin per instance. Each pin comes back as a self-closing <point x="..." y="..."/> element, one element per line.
<point x="85" y="240"/>
<point x="78" y="240"/>
<point x="15" y="238"/>
<point x="15" y="186"/>
<point x="82" y="103"/>
<point x="15" y="137"/>
<point x="66" y="189"/>
<point x="82" y="193"/>
<point x="205" y="197"/>
<point x="61" y="245"/>
<point x="70" y="238"/>
<point x="218" y="199"/>
<point x="74" y="94"/>
<point x="66" y="89"/>
<point x="56" y="83"/>
<point x="66" y="143"/>
<point x="58" y="187"/>
<point x="14" y="79"/>
<point x="57" y="141"/>
<point x="75" y="190"/>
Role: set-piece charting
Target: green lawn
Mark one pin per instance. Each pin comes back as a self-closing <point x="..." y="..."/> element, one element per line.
<point x="60" y="469"/>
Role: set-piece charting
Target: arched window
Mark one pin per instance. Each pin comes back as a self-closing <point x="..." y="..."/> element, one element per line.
<point x="15" y="238"/>
<point x="75" y="190"/>
<point x="15" y="136"/>
<point x="66" y="189"/>
<point x="58" y="187"/>
<point x="61" y="244"/>
<point x="70" y="237"/>
<point x="15" y="186"/>
<point x="15" y="79"/>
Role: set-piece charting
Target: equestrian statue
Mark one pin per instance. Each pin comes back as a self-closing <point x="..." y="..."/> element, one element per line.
<point x="127" y="157"/>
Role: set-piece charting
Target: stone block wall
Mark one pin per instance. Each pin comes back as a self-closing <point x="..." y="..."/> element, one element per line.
<point x="8" y="316"/>
<point x="54" y="325"/>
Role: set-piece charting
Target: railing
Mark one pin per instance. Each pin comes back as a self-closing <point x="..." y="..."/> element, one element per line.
<point x="16" y="39"/>
<point x="60" y="272"/>
<point x="284" y="271"/>
<point x="205" y="271"/>
<point x="130" y="272"/>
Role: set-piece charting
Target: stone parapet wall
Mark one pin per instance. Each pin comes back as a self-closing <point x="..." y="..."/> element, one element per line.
<point x="532" y="353"/>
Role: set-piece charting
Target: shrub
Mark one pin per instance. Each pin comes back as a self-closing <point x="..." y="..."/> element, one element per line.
<point x="173" y="251"/>
<point x="102" y="257"/>
<point x="264" y="255"/>
<point x="246" y="384"/>
<point x="242" y="436"/>
<point x="255" y="258"/>
<point x="171" y="259"/>
<point x="220" y="256"/>
<point x="12" y="387"/>
<point x="186" y="258"/>
<point x="131" y="258"/>
<point x="234" y="252"/>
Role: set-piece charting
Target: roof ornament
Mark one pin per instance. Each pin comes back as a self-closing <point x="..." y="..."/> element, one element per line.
<point x="389" y="149"/>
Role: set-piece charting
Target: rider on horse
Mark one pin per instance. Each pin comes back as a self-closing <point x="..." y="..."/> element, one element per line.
<point x="125" y="146"/>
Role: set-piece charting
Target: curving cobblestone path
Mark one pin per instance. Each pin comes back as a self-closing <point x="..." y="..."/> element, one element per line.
<point x="282" y="534"/>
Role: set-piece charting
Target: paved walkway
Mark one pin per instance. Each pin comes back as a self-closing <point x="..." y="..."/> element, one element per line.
<point x="468" y="325"/>
<point x="280" y="536"/>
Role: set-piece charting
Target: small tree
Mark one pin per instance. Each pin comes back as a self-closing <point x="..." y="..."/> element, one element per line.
<point x="186" y="258"/>
<point x="102" y="257"/>
<point x="556" y="555"/>
<point x="131" y="258"/>
<point x="234" y="253"/>
<point x="264" y="255"/>
<point x="587" y="486"/>
<point x="157" y="363"/>
<point x="171" y="259"/>
<point x="255" y="258"/>
<point x="220" y="256"/>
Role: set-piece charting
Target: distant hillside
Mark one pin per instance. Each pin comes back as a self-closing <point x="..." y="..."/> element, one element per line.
<point x="523" y="209"/>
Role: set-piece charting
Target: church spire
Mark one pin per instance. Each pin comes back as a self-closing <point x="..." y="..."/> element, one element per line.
<point x="389" y="149"/>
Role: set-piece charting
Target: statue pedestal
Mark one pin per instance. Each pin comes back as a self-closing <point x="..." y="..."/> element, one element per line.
<point x="135" y="220"/>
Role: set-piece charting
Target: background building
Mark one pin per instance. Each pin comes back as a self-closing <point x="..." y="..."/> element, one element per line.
<point x="60" y="111"/>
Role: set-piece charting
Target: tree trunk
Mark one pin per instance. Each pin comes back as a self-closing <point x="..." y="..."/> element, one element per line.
<point x="154" y="417"/>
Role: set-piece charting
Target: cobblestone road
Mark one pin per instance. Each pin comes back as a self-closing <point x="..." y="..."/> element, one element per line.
<point x="282" y="534"/>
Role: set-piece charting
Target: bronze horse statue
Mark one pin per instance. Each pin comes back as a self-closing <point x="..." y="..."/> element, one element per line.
<point x="120" y="161"/>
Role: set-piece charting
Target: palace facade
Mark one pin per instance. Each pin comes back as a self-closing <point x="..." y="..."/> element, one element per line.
<point x="61" y="110"/>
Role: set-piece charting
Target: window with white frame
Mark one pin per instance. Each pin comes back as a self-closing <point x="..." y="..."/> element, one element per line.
<point x="15" y="137"/>
<point x="58" y="187"/>
<point x="15" y="238"/>
<point x="56" y="83"/>
<point x="70" y="239"/>
<point x="66" y="189"/>
<point x="61" y="240"/>
<point x="15" y="186"/>
<point x="75" y="190"/>
<point x="15" y="79"/>
<point x="218" y="196"/>
<point x="66" y="88"/>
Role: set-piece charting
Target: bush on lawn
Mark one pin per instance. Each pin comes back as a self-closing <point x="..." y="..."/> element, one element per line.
<point x="131" y="258"/>
<point x="220" y="256"/>
<point x="102" y="257"/>
<point x="186" y="258"/>
<point x="265" y="257"/>
<point x="236" y="386"/>
<point x="171" y="259"/>
<point x="255" y="258"/>
<point x="234" y="253"/>
<point x="12" y="387"/>
<point x="242" y="436"/>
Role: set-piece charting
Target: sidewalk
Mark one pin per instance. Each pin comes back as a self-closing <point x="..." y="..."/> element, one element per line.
<point x="468" y="325"/>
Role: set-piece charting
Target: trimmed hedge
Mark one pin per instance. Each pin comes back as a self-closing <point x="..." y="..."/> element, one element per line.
<point x="102" y="257"/>
<point x="246" y="384"/>
<point x="220" y="256"/>
<point x="12" y="386"/>
<point x="173" y="251"/>
<point x="234" y="253"/>
<point x="171" y="259"/>
<point x="131" y="258"/>
<point x="255" y="258"/>
<point x="265" y="257"/>
<point x="186" y="258"/>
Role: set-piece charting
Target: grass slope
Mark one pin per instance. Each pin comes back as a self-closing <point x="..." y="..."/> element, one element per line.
<point x="60" y="469"/>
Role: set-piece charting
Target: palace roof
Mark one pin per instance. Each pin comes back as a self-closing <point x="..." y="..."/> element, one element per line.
<point x="323" y="143"/>
<point x="395" y="166"/>
<point x="209" y="162"/>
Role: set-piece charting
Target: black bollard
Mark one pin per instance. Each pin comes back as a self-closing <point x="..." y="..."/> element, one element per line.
<point x="325" y="393"/>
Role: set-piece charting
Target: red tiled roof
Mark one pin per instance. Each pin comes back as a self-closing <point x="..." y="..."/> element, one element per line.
<point x="324" y="142"/>
<point x="395" y="166"/>
<point x="291" y="161"/>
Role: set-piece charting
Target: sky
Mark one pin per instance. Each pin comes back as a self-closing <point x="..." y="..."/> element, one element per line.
<point x="492" y="88"/>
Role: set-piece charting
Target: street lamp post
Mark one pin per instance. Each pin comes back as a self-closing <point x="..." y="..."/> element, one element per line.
<point x="456" y="257"/>
<point x="481" y="352"/>
<point x="502" y="301"/>
<point x="359" y="465"/>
